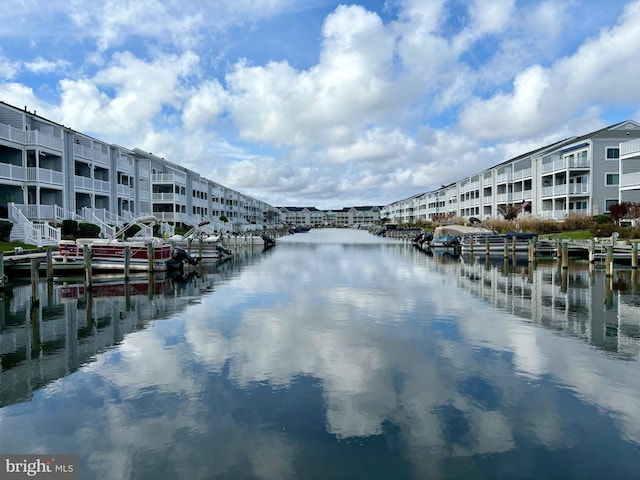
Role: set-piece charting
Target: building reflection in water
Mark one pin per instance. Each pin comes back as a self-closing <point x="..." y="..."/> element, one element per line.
<point x="71" y="324"/>
<point x="580" y="301"/>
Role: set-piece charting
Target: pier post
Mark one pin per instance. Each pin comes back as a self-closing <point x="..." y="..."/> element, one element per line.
<point x="200" y="248"/>
<point x="565" y="255"/>
<point x="471" y="242"/>
<point x="88" y="268"/>
<point x="559" y="248"/>
<point x="592" y="250"/>
<point x="609" y="261"/>
<point x="634" y="255"/>
<point x="564" y="279"/>
<point x="127" y="261"/>
<point x="35" y="297"/>
<point x="506" y="247"/>
<point x="513" y="245"/>
<point x="150" y="255"/>
<point x="532" y="250"/>
<point x="49" y="263"/>
<point x="487" y="246"/>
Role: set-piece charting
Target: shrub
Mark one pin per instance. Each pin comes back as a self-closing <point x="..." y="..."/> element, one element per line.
<point x="602" y="229"/>
<point x="5" y="231"/>
<point x="69" y="228"/>
<point x="602" y="219"/>
<point x="88" y="230"/>
<point x="576" y="221"/>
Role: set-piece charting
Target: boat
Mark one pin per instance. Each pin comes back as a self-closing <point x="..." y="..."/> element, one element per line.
<point x="301" y="229"/>
<point x="109" y="255"/>
<point x="207" y="245"/>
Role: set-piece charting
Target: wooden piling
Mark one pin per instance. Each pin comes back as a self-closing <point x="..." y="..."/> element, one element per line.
<point x="532" y="250"/>
<point x="592" y="250"/>
<point x="199" y="248"/>
<point x="35" y="297"/>
<point x="513" y="244"/>
<point x="88" y="268"/>
<point x="49" y="263"/>
<point x="609" y="261"/>
<point x="565" y="255"/>
<point x="150" y="255"/>
<point x="506" y="248"/>
<point x="559" y="248"/>
<point x="127" y="261"/>
<point x="634" y="255"/>
<point x="487" y="246"/>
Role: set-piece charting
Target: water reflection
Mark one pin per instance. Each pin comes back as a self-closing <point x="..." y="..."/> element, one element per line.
<point x="355" y="358"/>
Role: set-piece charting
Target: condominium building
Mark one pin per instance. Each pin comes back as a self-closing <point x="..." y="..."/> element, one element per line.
<point x="50" y="172"/>
<point x="583" y="175"/>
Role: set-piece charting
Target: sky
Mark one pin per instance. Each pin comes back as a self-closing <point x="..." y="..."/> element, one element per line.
<point x="319" y="103"/>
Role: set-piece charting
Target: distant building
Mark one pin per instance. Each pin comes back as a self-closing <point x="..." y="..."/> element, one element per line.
<point x="578" y="175"/>
<point x="50" y="173"/>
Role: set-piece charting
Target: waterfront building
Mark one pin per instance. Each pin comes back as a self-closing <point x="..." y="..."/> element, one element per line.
<point x="50" y="172"/>
<point x="577" y="175"/>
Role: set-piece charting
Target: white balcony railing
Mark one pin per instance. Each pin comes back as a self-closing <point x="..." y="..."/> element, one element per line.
<point x="12" y="134"/>
<point x="630" y="180"/>
<point x="631" y="148"/>
<point x="96" y="155"/>
<point x="169" y="178"/>
<point x="125" y="191"/>
<point x="13" y="173"/>
<point x="169" y="197"/>
<point x="45" y="176"/>
<point x="579" y="188"/>
<point x="36" y="137"/>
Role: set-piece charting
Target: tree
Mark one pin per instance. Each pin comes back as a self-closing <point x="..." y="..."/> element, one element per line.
<point x="618" y="211"/>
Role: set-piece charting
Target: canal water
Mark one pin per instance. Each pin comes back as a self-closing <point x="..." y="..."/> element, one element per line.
<point x="334" y="355"/>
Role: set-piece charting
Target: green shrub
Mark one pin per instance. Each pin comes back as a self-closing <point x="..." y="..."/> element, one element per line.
<point x="603" y="229"/>
<point x="628" y="232"/>
<point x="5" y="231"/>
<point x="88" y="230"/>
<point x="602" y="219"/>
<point x="69" y="228"/>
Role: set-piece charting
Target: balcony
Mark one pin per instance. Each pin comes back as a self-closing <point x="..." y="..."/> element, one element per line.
<point x="42" y="175"/>
<point x="524" y="173"/>
<point x="96" y="155"/>
<point x="627" y="149"/>
<point x="170" y="178"/>
<point x="578" y="188"/>
<point x="169" y="198"/>
<point x="125" y="191"/>
<point x="12" y="134"/>
<point x="504" y="197"/>
<point x="630" y="181"/>
<point x="36" y="137"/>
<point x="553" y="190"/>
<point x="12" y="172"/>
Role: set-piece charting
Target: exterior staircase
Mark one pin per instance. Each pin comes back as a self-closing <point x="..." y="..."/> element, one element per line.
<point x="40" y="234"/>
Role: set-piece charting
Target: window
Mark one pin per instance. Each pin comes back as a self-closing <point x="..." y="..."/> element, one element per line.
<point x="608" y="203"/>
<point x="613" y="153"/>
<point x="612" y="179"/>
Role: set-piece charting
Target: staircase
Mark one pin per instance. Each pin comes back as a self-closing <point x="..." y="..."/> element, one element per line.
<point x="40" y="234"/>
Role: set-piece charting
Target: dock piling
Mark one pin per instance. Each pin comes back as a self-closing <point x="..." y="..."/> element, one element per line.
<point x="565" y="255"/>
<point x="35" y="297"/>
<point x="88" y="268"/>
<point x="609" y="261"/>
<point x="634" y="255"/>
<point x="127" y="261"/>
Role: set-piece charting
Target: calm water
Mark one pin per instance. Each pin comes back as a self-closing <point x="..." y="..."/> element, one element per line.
<point x="336" y="354"/>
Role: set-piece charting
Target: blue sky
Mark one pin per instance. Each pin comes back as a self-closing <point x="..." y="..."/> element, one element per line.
<point x="317" y="103"/>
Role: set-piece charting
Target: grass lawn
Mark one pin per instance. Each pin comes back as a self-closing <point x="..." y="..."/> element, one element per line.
<point x="573" y="235"/>
<point x="9" y="246"/>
